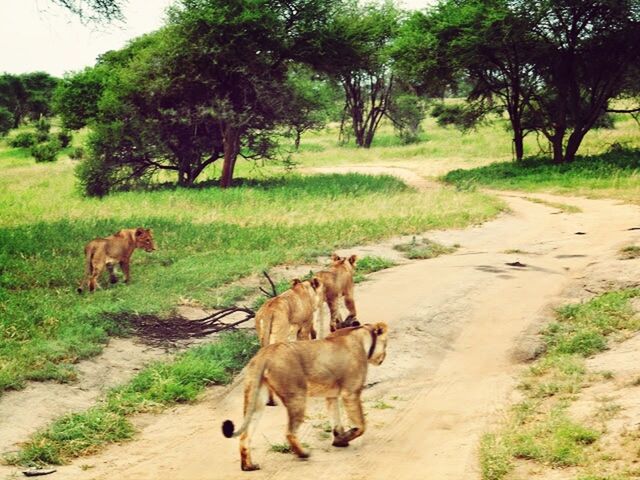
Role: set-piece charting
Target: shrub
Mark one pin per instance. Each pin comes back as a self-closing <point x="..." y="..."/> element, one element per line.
<point x="76" y="153"/>
<point x="6" y="121"/>
<point x="23" y="140"/>
<point x="64" y="137"/>
<point x="46" y="152"/>
<point x="43" y="127"/>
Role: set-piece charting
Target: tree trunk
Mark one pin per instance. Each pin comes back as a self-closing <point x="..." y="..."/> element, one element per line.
<point x="557" y="140"/>
<point x="297" y="141"/>
<point x="231" y="143"/>
<point x="518" y="143"/>
<point x="575" y="139"/>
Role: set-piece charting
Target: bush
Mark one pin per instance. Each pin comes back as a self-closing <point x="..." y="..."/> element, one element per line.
<point x="46" y="152"/>
<point x="64" y="137"/>
<point x="23" y="140"/>
<point x="43" y="127"/>
<point x="6" y="121"/>
<point x="76" y="153"/>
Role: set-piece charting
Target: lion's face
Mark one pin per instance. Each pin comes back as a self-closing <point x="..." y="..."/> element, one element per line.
<point x="144" y="239"/>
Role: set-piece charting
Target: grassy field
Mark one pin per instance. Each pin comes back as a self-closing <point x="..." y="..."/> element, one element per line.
<point x="444" y="149"/>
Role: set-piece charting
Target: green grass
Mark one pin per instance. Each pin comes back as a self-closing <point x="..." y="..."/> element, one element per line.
<point x="423" y="248"/>
<point x="539" y="428"/>
<point x="369" y="264"/>
<point x="615" y="175"/>
<point x="157" y="386"/>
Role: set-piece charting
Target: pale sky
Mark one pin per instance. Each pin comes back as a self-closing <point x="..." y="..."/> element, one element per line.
<point x="38" y="35"/>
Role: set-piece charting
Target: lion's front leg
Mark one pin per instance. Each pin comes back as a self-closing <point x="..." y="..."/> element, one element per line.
<point x="124" y="265"/>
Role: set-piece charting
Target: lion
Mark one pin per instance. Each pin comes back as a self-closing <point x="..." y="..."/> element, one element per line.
<point x="338" y="282"/>
<point x="334" y="368"/>
<point x="116" y="248"/>
<point x="291" y="312"/>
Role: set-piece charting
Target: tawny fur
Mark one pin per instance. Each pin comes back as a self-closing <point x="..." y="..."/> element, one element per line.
<point x="334" y="368"/>
<point x="112" y="250"/>
<point x="338" y="283"/>
<point x="290" y="313"/>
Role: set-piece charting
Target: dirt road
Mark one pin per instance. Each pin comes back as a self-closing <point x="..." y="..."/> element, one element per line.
<point x="454" y="320"/>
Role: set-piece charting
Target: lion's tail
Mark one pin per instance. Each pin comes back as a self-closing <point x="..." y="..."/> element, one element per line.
<point x="253" y="397"/>
<point x="87" y="268"/>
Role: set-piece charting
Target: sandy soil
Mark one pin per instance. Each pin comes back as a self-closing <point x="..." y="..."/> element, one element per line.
<point x="455" y="321"/>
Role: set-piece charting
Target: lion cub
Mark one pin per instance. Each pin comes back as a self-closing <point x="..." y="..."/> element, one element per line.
<point x="291" y="312"/>
<point x="334" y="368"/>
<point x="338" y="282"/>
<point x="116" y="248"/>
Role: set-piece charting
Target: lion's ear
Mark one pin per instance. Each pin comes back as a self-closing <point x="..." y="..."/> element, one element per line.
<point x="335" y="257"/>
<point x="315" y="283"/>
<point x="139" y="231"/>
<point x="295" y="282"/>
<point x="352" y="260"/>
<point x="380" y="328"/>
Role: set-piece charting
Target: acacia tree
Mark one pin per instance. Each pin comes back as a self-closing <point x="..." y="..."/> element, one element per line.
<point x="211" y="85"/>
<point x="583" y="53"/>
<point x="354" y="50"/>
<point x="481" y="41"/>
<point x="27" y="96"/>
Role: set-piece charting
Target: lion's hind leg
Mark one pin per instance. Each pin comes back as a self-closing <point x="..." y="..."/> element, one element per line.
<point x="353" y="406"/>
<point x="245" y="439"/>
<point x="296" y="406"/>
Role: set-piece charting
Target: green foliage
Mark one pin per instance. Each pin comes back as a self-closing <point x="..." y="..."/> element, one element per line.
<point x="407" y="112"/>
<point x="464" y="117"/>
<point x="43" y="127"/>
<point x="630" y="252"/>
<point x="23" y="140"/>
<point x="157" y="386"/>
<point x="370" y="264"/>
<point x="76" y="153"/>
<point x="6" y="121"/>
<point x="27" y="96"/>
<point x="76" y="97"/>
<point x="64" y="138"/>
<point x="46" y="152"/>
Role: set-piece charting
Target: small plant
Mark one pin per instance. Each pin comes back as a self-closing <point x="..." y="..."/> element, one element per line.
<point x="630" y="252"/>
<point x="283" y="447"/>
<point x="370" y="264"/>
<point x="43" y="127"/>
<point x="381" y="405"/>
<point x="46" y="152"/>
<point x="64" y="137"/>
<point x="23" y="140"/>
<point x="423" y="248"/>
<point x="76" y="153"/>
